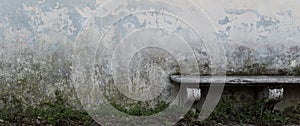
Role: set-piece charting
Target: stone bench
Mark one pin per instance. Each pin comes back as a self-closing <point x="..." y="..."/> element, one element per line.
<point x="272" y="86"/>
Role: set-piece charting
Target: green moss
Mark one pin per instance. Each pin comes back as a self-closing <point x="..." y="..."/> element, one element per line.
<point x="55" y="113"/>
<point x="11" y="109"/>
<point x="296" y="70"/>
<point x="140" y="109"/>
<point x="249" y="111"/>
<point x="242" y="110"/>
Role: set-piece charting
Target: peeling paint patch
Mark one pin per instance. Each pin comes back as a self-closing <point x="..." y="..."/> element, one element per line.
<point x="224" y="21"/>
<point x="228" y="28"/>
<point x="267" y="22"/>
<point x="284" y="12"/>
<point x="235" y="12"/>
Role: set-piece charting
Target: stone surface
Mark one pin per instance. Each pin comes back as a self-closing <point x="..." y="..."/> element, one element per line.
<point x="256" y="80"/>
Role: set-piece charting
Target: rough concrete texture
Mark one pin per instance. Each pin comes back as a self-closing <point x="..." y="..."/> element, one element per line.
<point x="37" y="39"/>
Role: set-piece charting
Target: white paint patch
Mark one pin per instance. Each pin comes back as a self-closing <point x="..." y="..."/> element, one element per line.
<point x="275" y="94"/>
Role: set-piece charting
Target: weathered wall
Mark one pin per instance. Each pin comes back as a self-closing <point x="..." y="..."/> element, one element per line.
<point x="36" y="40"/>
<point x="262" y="33"/>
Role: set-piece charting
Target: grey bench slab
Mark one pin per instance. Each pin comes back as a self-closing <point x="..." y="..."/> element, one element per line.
<point x="235" y="79"/>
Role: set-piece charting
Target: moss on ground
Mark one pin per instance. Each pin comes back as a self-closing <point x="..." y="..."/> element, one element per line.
<point x="229" y="111"/>
<point x="232" y="111"/>
<point x="139" y="109"/>
<point x="54" y="113"/>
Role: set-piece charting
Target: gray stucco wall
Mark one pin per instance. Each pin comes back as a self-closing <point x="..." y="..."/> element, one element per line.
<point x="37" y="39"/>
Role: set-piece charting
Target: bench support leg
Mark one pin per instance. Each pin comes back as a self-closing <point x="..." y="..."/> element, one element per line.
<point x="272" y="95"/>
